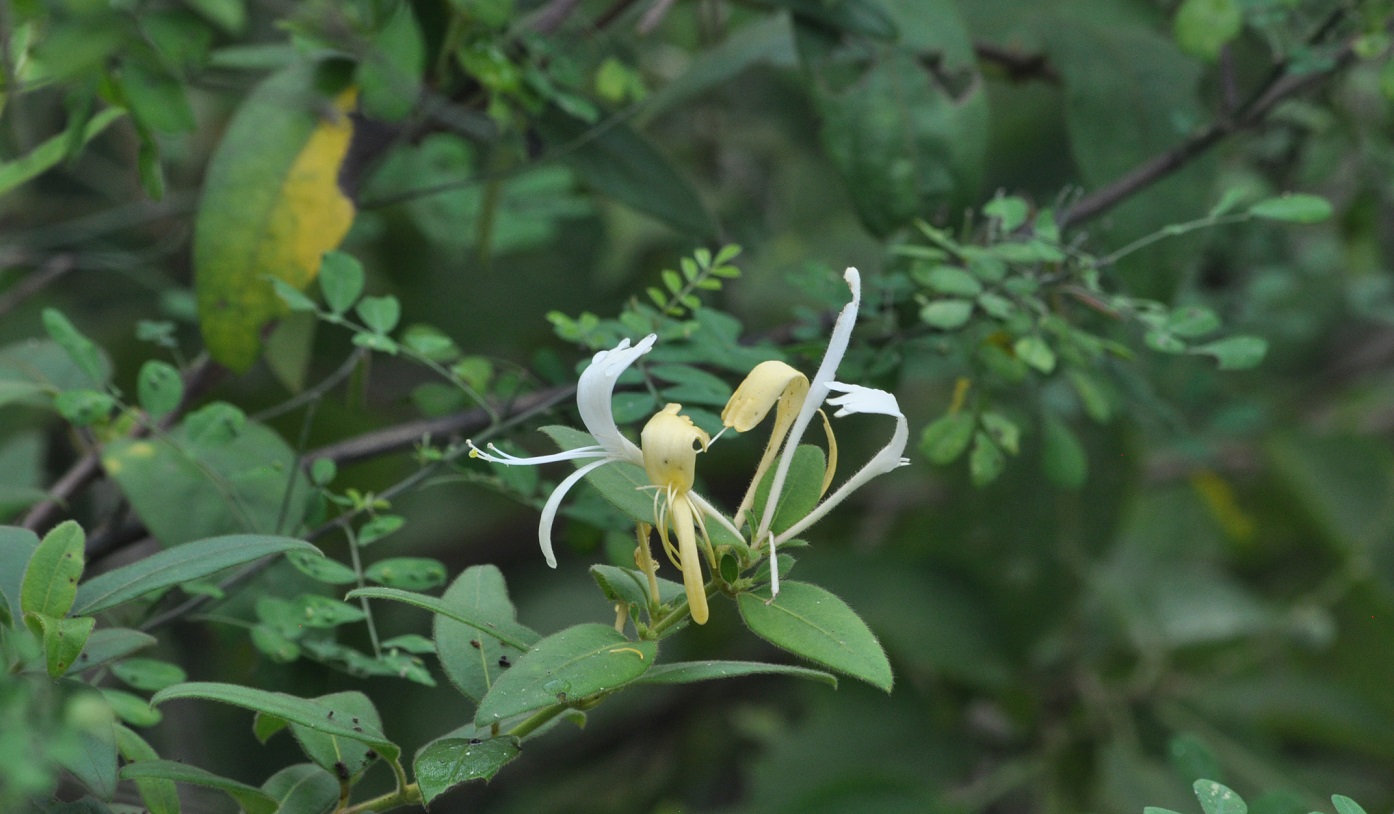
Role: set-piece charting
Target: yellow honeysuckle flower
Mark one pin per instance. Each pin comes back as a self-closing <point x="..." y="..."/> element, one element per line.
<point x="670" y="443"/>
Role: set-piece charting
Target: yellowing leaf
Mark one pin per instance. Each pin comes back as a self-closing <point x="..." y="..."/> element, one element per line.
<point x="271" y="207"/>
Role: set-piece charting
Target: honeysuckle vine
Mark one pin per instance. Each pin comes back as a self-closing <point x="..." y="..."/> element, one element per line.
<point x="670" y="443"/>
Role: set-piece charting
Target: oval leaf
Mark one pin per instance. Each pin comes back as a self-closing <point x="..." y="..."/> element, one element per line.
<point x="50" y="578"/>
<point x="303" y="711"/>
<point x="1293" y="208"/>
<point x="565" y="668"/>
<point x="446" y="763"/>
<point x="687" y="672"/>
<point x="271" y="208"/>
<point x="251" y="799"/>
<point x="504" y="630"/>
<point x="471" y="658"/>
<point x="809" y="621"/>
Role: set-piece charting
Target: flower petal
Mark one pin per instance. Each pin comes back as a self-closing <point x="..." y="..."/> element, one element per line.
<point x="498" y="456"/>
<point x="549" y="511"/>
<point x="596" y="389"/>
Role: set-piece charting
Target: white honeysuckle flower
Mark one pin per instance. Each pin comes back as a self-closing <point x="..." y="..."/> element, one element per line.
<point x="594" y="393"/>
<point x="857" y="399"/>
<point x="768" y="384"/>
<point x="817" y="392"/>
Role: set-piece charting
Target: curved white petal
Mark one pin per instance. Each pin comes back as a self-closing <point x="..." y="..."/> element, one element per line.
<point x="549" y="511"/>
<point x="817" y="391"/>
<point x="594" y="393"/>
<point x="858" y="399"/>
<point x="711" y="511"/>
<point x="498" y="456"/>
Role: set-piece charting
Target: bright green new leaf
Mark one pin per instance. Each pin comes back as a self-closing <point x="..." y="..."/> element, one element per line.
<point x="946" y="315"/>
<point x="182" y="564"/>
<point x="1235" y="352"/>
<point x="813" y="623"/>
<point x="50" y="578"/>
<point x="1035" y="352"/>
<point x="445" y="763"/>
<point x="271" y="207"/>
<point x="131" y="708"/>
<point x="572" y="665"/>
<point x="306" y="712"/>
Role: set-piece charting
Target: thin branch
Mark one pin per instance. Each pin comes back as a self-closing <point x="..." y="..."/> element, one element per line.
<point x="1278" y="86"/>
<point x="49" y="273"/>
<point x="550" y="18"/>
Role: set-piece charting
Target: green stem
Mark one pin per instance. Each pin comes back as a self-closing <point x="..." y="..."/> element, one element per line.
<point x="1174" y="230"/>
<point x="407" y="795"/>
<point x="537" y="720"/>
<point x="680" y="611"/>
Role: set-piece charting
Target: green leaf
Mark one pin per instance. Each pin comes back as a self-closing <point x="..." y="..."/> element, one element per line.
<point x="418" y="573"/>
<point x="446" y="763"/>
<point x="1062" y="456"/>
<point x="861" y="17"/>
<point x="271" y="207"/>
<point x="985" y="464"/>
<point x="505" y="630"/>
<point x="1293" y="208"/>
<point x="618" y="162"/>
<point x="1192" y="321"/>
<point x="160" y="796"/>
<point x="1203" y="27"/>
<point x="380" y="314"/>
<point x="1235" y="352"/>
<point x="313" y="610"/>
<point x="691" y="385"/>
<point x="1345" y="805"/>
<point x="1035" y="352"/>
<point x="341" y="280"/>
<point x="379" y="527"/>
<point x="321" y="568"/>
<point x="251" y="799"/>
<point x="389" y="77"/>
<point x="63" y="639"/>
<point x="947" y="437"/>
<point x="906" y="140"/>
<point x="306" y="712"/>
<point x="92" y="759"/>
<point x="803" y="487"/>
<point x="109" y="644"/>
<point x="952" y="281"/>
<point x="567" y="667"/>
<point x="83" y="408"/>
<point x="180" y="564"/>
<point x="302" y="789"/>
<point x="50" y="578"/>
<point x="227" y="474"/>
<point x="332" y="752"/>
<point x="51" y="152"/>
<point x="79" y="348"/>
<point x="278" y="647"/>
<point x="291" y="296"/>
<point x="1003" y="431"/>
<point x="150" y="675"/>
<point x="1010" y="211"/>
<point x="17" y="547"/>
<point x="1217" y="799"/>
<point x="157" y="99"/>
<point x="159" y="387"/>
<point x="687" y="672"/>
<point x="813" y="623"/>
<point x="631" y="586"/>
<point x="130" y="708"/>
<point x="947" y="314"/>
<point x="1192" y="760"/>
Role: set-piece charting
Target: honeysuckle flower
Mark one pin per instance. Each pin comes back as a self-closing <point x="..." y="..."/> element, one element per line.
<point x="670" y="446"/>
<point x="817" y="391"/>
<point x="858" y="399"/>
<point x="594" y="392"/>
<point x="768" y="384"/>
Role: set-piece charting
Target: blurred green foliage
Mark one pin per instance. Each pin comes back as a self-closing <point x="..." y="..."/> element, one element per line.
<point x="1127" y="272"/>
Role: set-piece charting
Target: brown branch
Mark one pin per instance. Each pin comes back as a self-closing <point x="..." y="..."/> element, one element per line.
<point x="1278" y="86"/>
<point x="550" y="18"/>
<point x="405" y="436"/>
